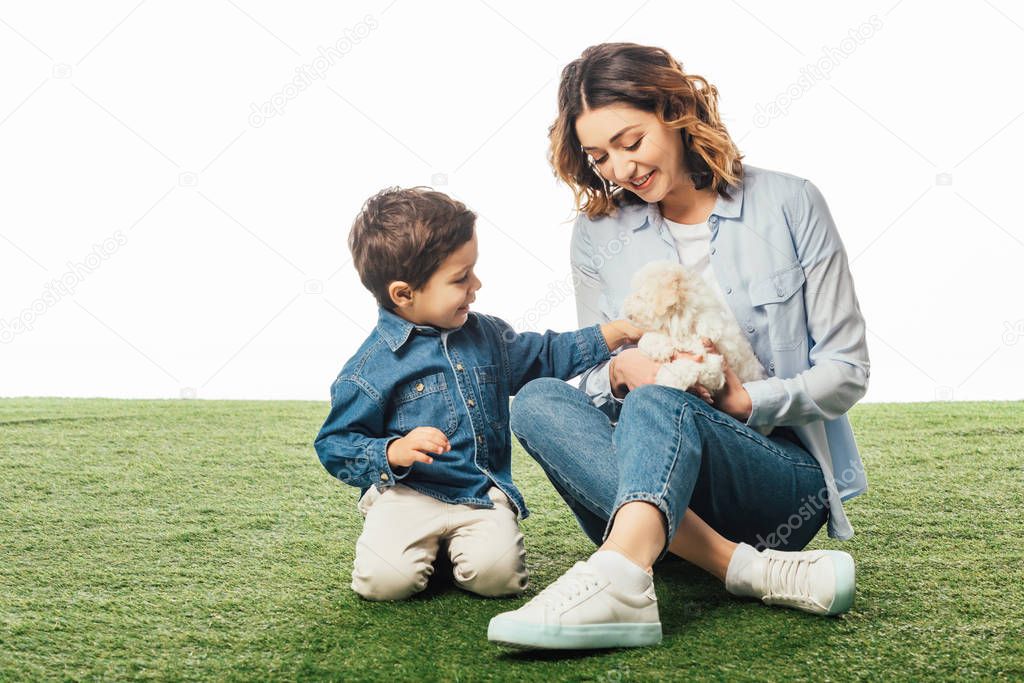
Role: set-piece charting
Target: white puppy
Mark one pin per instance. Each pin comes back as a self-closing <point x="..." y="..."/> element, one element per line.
<point x="675" y="308"/>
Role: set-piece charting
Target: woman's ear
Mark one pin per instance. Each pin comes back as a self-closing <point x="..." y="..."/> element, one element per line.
<point x="401" y="294"/>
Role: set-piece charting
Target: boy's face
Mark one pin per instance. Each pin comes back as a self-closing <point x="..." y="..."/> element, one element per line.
<point x="444" y="301"/>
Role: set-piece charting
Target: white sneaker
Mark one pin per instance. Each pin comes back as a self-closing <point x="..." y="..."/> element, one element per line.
<point x="581" y="610"/>
<point x="816" y="581"/>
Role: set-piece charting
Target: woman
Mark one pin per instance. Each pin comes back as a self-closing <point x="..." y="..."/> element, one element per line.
<point x="649" y="469"/>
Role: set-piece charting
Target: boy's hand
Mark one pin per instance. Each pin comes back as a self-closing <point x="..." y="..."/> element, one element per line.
<point x="619" y="332"/>
<point x="415" y="446"/>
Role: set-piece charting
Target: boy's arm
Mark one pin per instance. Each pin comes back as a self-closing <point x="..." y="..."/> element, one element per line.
<point x="529" y="355"/>
<point x="350" y="444"/>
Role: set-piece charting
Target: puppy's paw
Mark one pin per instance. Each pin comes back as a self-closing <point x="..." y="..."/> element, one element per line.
<point x="656" y="345"/>
<point x="680" y="374"/>
<point x="712" y="375"/>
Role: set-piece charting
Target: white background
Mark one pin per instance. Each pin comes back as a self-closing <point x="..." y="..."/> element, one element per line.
<point x="225" y="272"/>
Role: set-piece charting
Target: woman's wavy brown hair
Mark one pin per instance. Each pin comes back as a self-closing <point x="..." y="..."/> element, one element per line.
<point x="649" y="79"/>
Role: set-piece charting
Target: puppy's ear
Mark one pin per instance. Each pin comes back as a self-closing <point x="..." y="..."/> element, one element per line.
<point x="662" y="299"/>
<point x="670" y="292"/>
<point x="636" y="310"/>
<point x="683" y="290"/>
<point x="654" y="294"/>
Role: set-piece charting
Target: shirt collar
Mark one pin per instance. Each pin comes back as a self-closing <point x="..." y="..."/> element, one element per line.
<point x="396" y="330"/>
<point x="724" y="208"/>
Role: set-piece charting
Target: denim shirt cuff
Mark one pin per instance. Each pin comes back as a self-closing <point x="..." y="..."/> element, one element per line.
<point x="592" y="346"/>
<point x="765" y="402"/>
<point x="385" y="476"/>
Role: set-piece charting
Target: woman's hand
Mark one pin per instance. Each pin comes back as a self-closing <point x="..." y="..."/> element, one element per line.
<point x="632" y="368"/>
<point x="733" y="399"/>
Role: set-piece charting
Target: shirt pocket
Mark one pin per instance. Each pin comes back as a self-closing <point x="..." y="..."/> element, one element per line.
<point x="425" y="402"/>
<point x="776" y="299"/>
<point x="488" y="388"/>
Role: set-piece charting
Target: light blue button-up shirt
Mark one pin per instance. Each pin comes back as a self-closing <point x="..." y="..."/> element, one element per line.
<point x="778" y="258"/>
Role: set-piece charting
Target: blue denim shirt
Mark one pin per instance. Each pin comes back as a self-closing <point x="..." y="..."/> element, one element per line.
<point x="778" y="258"/>
<point x="406" y="376"/>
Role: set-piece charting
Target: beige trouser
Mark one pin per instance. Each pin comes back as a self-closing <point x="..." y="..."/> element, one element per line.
<point x="404" y="530"/>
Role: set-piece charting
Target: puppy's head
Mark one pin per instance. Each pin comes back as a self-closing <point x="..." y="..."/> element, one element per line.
<point x="659" y="290"/>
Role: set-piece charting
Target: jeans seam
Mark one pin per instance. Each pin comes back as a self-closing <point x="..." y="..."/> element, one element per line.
<point x="669" y="470"/>
<point x="658" y="499"/>
<point x="770" y="444"/>
<point x="579" y="496"/>
<point x="675" y="450"/>
<point x="562" y="480"/>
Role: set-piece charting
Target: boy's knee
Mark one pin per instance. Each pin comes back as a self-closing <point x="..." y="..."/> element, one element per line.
<point x="388" y="584"/>
<point x="377" y="578"/>
<point x="495" y="582"/>
<point x="493" y="574"/>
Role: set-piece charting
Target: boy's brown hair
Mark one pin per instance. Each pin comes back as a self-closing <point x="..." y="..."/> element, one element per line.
<point x="405" y="234"/>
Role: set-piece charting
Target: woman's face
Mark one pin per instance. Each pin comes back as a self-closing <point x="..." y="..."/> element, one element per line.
<point x="633" y="149"/>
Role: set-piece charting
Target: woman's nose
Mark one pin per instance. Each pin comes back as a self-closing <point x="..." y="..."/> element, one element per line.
<point x="622" y="168"/>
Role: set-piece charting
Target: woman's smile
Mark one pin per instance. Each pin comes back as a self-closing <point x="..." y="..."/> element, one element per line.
<point x="644" y="181"/>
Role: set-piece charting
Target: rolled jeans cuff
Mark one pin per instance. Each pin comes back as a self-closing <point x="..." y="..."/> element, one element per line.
<point x="668" y="515"/>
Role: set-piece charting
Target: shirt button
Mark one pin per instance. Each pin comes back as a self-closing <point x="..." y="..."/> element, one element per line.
<point x="713" y="251"/>
<point x="458" y="366"/>
<point x="771" y="365"/>
<point x="728" y="290"/>
<point x="750" y="328"/>
<point x="779" y="291"/>
<point x="471" y="403"/>
<point x="480" y="439"/>
<point x="419" y="387"/>
<point x="383" y="476"/>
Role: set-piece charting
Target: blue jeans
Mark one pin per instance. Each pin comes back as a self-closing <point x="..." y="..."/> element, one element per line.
<point x="673" y="450"/>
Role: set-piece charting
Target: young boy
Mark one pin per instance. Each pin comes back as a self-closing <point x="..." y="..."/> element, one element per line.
<point x="419" y="415"/>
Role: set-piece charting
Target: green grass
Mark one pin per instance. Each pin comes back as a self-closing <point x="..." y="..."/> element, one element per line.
<point x="186" y="540"/>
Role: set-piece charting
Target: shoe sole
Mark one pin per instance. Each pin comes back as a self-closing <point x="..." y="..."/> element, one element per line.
<point x="522" y="635"/>
<point x="846" y="582"/>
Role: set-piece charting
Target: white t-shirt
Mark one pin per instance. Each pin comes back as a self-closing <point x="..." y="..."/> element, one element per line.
<point x="693" y="242"/>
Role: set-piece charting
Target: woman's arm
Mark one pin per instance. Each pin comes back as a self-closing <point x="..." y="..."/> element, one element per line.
<point x="595" y="382"/>
<point x="839" y="372"/>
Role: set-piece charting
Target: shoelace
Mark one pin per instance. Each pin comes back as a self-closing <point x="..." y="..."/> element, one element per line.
<point x="788" y="579"/>
<point x="568" y="586"/>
